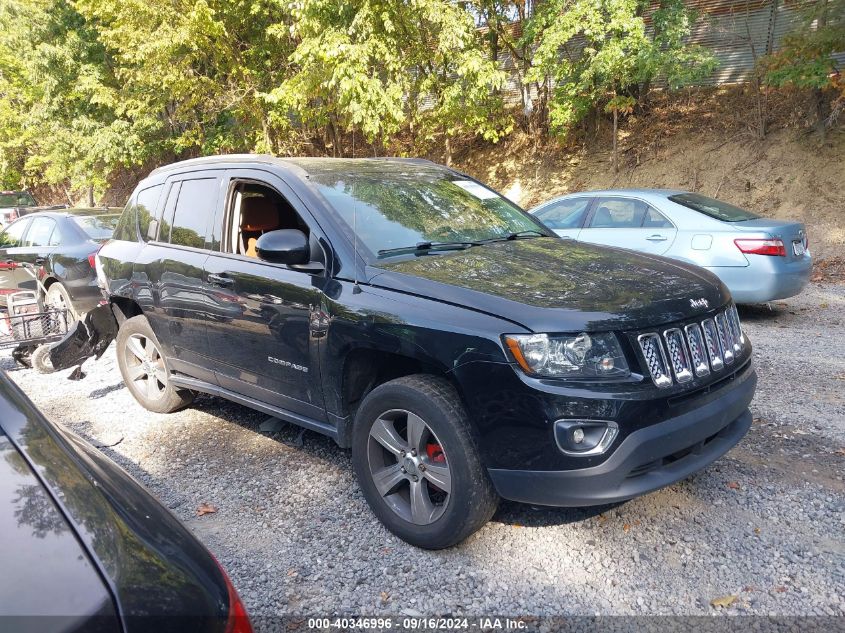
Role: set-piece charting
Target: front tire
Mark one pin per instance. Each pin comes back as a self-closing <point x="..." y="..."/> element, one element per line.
<point x="416" y="459"/>
<point x="144" y="368"/>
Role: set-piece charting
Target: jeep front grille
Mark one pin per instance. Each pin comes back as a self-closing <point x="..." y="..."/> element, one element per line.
<point x="694" y="350"/>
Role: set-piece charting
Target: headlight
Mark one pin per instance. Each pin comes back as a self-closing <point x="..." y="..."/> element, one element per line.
<point x="571" y="356"/>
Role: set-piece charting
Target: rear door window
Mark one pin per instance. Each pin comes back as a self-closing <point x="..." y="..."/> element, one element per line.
<point x="193" y="212"/>
<point x="565" y="214"/>
<point x="656" y="220"/>
<point x="40" y="232"/>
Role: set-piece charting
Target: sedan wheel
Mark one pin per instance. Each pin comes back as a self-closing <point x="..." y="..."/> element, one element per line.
<point x="408" y="466"/>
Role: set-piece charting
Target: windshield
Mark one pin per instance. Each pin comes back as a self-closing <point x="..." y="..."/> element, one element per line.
<point x="401" y="210"/>
<point x="97" y="227"/>
<point x="712" y="207"/>
<point x="16" y="199"/>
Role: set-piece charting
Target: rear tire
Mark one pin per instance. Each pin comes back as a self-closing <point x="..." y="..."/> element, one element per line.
<point x="144" y="368"/>
<point x="416" y="459"/>
<point x="58" y="298"/>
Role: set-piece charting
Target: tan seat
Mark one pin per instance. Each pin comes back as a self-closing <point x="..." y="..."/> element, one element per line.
<point x="258" y="215"/>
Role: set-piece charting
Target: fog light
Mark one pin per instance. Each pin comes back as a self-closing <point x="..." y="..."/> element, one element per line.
<point x="585" y="437"/>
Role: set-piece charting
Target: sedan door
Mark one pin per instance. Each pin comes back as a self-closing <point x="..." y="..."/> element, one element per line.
<point x="628" y="223"/>
<point x="38" y="244"/>
<point x="11" y="242"/>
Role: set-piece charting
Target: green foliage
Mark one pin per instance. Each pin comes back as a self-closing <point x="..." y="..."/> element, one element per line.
<point x="593" y="50"/>
<point x="378" y="65"/>
<point x="91" y="86"/>
<point x="805" y="59"/>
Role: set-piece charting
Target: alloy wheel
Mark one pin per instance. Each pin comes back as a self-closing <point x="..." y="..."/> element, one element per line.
<point x="409" y="467"/>
<point x="145" y="366"/>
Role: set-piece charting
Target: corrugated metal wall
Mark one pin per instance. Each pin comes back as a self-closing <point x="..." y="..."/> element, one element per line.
<point x="729" y="29"/>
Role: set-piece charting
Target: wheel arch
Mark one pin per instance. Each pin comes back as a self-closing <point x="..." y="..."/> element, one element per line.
<point x="366" y="368"/>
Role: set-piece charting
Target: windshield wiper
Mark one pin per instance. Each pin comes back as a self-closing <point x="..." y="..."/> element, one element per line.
<point x="515" y="236"/>
<point x="429" y="246"/>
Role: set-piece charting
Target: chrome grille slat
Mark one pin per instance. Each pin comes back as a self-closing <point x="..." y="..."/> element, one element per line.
<point x="695" y="340"/>
<point x="655" y="358"/>
<point x="725" y="338"/>
<point x="733" y="322"/>
<point x="678" y="355"/>
<point x="711" y="340"/>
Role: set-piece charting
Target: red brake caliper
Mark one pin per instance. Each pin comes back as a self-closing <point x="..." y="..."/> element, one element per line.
<point x="435" y="453"/>
<point x="435" y="456"/>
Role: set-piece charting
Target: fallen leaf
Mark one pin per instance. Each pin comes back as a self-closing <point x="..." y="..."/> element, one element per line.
<point x="823" y="306"/>
<point x="724" y="601"/>
<point x="757" y="530"/>
<point x="291" y="572"/>
<point x="602" y="519"/>
<point x="749" y="588"/>
<point x="840" y="451"/>
<point x="781" y="589"/>
<point x="384" y="597"/>
<point x="205" y="508"/>
<point x="733" y="485"/>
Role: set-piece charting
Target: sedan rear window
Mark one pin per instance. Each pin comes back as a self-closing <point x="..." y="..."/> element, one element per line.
<point x="712" y="207"/>
<point x="97" y="227"/>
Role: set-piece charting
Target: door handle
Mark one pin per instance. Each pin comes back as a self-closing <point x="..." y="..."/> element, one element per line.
<point x="220" y="280"/>
<point x="39" y="260"/>
<point x="657" y="238"/>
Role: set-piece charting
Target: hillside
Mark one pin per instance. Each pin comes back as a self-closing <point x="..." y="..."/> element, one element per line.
<point x="702" y="143"/>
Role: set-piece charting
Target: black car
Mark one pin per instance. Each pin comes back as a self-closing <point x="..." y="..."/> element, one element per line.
<point x="85" y="548"/>
<point x="63" y="244"/>
<point x="461" y="349"/>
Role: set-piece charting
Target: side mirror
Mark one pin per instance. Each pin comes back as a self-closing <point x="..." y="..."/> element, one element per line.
<point x="285" y="246"/>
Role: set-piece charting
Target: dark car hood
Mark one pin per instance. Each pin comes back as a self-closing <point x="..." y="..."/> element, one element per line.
<point x="555" y="285"/>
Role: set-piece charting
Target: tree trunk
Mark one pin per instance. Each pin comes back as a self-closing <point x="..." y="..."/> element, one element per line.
<point x="615" y="135"/>
<point x="90" y="195"/>
<point x="448" y="151"/>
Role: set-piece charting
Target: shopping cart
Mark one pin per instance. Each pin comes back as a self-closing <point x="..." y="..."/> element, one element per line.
<point x="29" y="325"/>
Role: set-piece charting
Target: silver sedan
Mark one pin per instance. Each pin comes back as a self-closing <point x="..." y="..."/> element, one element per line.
<point x="758" y="259"/>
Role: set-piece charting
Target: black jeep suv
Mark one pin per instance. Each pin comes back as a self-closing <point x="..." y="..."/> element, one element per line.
<point x="461" y="349"/>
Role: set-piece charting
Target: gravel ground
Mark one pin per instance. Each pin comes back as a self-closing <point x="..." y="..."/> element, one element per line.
<point x="765" y="524"/>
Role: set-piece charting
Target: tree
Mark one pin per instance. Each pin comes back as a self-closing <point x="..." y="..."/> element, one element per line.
<point x="377" y="65"/>
<point x="596" y="50"/>
<point x="805" y="59"/>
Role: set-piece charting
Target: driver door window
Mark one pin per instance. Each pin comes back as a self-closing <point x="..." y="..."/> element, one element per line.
<point x="566" y="216"/>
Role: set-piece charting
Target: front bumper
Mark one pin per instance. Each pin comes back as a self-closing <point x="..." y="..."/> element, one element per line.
<point x="650" y="458"/>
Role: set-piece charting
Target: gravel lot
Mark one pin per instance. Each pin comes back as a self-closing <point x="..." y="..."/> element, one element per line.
<point x="765" y="524"/>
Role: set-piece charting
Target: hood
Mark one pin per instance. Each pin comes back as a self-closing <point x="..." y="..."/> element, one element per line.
<point x="555" y="285"/>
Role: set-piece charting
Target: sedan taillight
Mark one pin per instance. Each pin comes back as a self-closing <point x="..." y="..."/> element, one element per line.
<point x="773" y="247"/>
<point x="237" y="620"/>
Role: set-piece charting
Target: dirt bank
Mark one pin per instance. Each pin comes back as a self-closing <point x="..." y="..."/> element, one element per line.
<point x="703" y="142"/>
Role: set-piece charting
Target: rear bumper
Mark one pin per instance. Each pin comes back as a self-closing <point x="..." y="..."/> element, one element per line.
<point x="765" y="278"/>
<point x="648" y="459"/>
